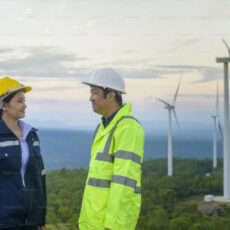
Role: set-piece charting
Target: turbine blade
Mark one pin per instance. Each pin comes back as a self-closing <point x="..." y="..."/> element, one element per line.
<point x="220" y="128"/>
<point x="226" y="46"/>
<point x="178" y="126"/>
<point x="166" y="103"/>
<point x="175" y="96"/>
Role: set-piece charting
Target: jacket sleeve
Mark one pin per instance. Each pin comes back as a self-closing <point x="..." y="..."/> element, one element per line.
<point x="43" y="204"/>
<point x="44" y="198"/>
<point x="125" y="199"/>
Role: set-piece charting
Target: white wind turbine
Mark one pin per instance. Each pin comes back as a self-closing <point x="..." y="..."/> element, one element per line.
<point x="216" y="121"/>
<point x="171" y="108"/>
<point x="225" y="61"/>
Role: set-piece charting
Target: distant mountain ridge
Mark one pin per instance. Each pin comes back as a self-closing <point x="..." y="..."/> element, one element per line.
<point x="157" y="127"/>
<point x="71" y="148"/>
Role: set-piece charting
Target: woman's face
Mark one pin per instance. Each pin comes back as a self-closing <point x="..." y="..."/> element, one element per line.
<point x="16" y="108"/>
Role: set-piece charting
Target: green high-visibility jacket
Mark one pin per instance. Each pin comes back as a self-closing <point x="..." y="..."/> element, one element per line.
<point x="112" y="196"/>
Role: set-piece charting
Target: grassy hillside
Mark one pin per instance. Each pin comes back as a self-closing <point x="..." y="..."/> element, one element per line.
<point x="167" y="202"/>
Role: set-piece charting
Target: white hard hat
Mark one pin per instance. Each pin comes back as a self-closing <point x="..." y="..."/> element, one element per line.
<point x="107" y="78"/>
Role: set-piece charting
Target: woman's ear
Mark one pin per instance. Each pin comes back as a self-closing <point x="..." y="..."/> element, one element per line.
<point x="3" y="106"/>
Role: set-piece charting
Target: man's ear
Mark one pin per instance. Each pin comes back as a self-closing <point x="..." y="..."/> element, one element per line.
<point x="111" y="95"/>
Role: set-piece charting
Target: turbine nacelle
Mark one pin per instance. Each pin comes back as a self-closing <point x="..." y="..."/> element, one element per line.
<point x="169" y="107"/>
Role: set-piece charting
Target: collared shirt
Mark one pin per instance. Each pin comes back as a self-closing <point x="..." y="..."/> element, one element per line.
<point x="24" y="147"/>
<point x="105" y="122"/>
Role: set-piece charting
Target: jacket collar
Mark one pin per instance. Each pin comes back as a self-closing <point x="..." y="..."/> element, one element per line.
<point x="26" y="128"/>
<point x="105" y="122"/>
<point x="5" y="130"/>
<point x="125" y="110"/>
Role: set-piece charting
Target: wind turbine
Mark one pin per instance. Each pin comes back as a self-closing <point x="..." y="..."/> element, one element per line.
<point x="171" y="108"/>
<point x="216" y="121"/>
<point x="226" y="159"/>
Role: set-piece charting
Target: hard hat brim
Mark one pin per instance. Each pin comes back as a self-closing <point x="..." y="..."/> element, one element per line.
<point x="25" y="88"/>
<point x="90" y="84"/>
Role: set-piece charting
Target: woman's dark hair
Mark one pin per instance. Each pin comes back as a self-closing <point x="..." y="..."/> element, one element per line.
<point x="8" y="99"/>
<point x="118" y="97"/>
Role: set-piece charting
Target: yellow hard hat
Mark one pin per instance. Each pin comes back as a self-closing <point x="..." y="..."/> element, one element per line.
<point x="9" y="86"/>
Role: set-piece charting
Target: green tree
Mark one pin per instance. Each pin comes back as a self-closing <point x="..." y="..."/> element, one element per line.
<point x="156" y="220"/>
<point x="168" y="200"/>
<point x="219" y="223"/>
<point x="180" y="223"/>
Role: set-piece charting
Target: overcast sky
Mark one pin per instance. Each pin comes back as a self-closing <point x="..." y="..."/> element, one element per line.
<point x="53" y="45"/>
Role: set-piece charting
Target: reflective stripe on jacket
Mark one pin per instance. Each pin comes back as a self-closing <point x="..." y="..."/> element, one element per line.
<point x="18" y="203"/>
<point x="112" y="196"/>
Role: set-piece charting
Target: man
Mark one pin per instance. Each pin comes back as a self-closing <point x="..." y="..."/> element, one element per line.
<point x="112" y="196"/>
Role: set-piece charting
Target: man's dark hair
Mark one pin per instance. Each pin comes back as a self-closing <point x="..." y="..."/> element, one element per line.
<point x="118" y="97"/>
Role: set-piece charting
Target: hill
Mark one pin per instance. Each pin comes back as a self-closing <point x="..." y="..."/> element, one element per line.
<point x="168" y="203"/>
<point x="71" y="148"/>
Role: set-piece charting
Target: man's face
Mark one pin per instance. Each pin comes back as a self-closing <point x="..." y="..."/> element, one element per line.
<point x="99" y="103"/>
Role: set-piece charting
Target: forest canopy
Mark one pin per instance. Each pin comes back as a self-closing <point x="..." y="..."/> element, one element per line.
<point x="167" y="202"/>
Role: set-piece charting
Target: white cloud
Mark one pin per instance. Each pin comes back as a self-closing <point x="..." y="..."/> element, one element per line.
<point x="41" y="62"/>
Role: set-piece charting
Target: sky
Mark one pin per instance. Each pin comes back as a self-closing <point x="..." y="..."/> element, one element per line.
<point x="54" y="45"/>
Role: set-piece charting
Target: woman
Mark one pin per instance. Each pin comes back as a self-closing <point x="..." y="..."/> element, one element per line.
<point x="22" y="179"/>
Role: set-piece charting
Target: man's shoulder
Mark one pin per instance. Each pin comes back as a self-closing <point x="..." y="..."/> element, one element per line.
<point x="130" y="122"/>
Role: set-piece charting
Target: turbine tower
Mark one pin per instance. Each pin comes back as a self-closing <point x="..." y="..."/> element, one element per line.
<point x="216" y="121"/>
<point x="226" y="159"/>
<point x="171" y="108"/>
